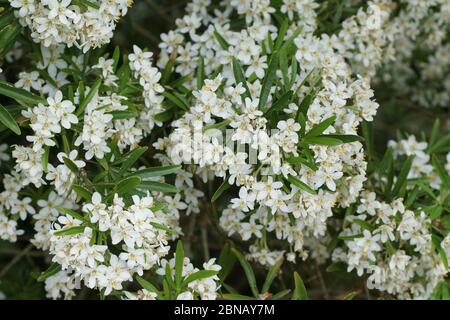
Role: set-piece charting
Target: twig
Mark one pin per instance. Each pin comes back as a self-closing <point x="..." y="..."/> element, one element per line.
<point x="367" y="293"/>
<point x="322" y="283"/>
<point x="189" y="233"/>
<point x="146" y="34"/>
<point x="159" y="11"/>
<point x="15" y="260"/>
<point x="11" y="252"/>
<point x="205" y="243"/>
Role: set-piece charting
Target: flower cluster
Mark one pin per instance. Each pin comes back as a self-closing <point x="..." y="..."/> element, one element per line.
<point x="84" y="24"/>
<point x="397" y="243"/>
<point x="289" y="180"/>
<point x="410" y="270"/>
<point x="363" y="40"/>
<point x="421" y="166"/>
<point x="408" y="40"/>
<point x="137" y="235"/>
<point x="92" y="124"/>
<point x="149" y="79"/>
<point x="204" y="288"/>
<point x="249" y="131"/>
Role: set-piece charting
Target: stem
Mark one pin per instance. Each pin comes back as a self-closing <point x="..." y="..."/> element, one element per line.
<point x="16" y="259"/>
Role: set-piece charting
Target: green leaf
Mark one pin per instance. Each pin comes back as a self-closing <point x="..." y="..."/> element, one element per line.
<point x="226" y="260"/>
<point x="303" y="110"/>
<point x="162" y="227"/>
<point x="291" y="39"/>
<point x="442" y="145"/>
<point x="300" y="290"/>
<point x="90" y="4"/>
<point x="224" y="186"/>
<point x="82" y="192"/>
<point x="164" y="116"/>
<point x="441" y="171"/>
<point x="273" y="272"/>
<point x="71" y="213"/>
<point x="281" y="34"/>
<point x="8" y="36"/>
<point x="127" y="185"/>
<point x="71" y="165"/>
<point x="6" y="18"/>
<point x="350" y="295"/>
<point x="434" y="133"/>
<point x="268" y="80"/>
<point x="92" y="92"/>
<point x="179" y="260"/>
<point x="300" y="184"/>
<point x="230" y="289"/>
<point x="345" y="138"/>
<point x="103" y="162"/>
<point x="51" y="271"/>
<point x="201" y="274"/>
<point x="8" y="121"/>
<point x="443" y="256"/>
<point x="401" y="179"/>
<point x="70" y="231"/>
<point x="158" y="206"/>
<point x="45" y="158"/>
<point x="239" y="78"/>
<point x="284" y="67"/>
<point x="180" y="103"/>
<point x="223" y="43"/>
<point x="434" y="212"/>
<point x="216" y="126"/>
<point x="320" y="128"/>
<point x="116" y="58"/>
<point x="147" y="285"/>
<point x="248" y="271"/>
<point x="282" y="102"/>
<point x="321" y="141"/>
<point x="66" y="145"/>
<point x="280" y="295"/>
<point x="294" y="69"/>
<point x="156" y="171"/>
<point x="412" y="196"/>
<point x="131" y="158"/>
<point x="367" y="129"/>
<point x="387" y="159"/>
<point x="349" y="238"/>
<point x="299" y="160"/>
<point x="158" y="187"/>
<point x="125" y="114"/>
<point x="363" y="224"/>
<point x="20" y="95"/>
<point x="200" y="73"/>
<point x="168" y="68"/>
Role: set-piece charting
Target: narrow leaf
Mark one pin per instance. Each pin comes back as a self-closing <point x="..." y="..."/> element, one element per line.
<point x="20" y="95"/>
<point x="7" y="120"/>
<point x="51" y="271"/>
<point x="224" y="186"/>
<point x="70" y="231"/>
<point x="156" y="171"/>
<point x="158" y="187"/>
<point x="268" y="81"/>
<point x="248" y="271"/>
<point x="300" y="184"/>
<point x="300" y="290"/>
<point x="273" y="272"/>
